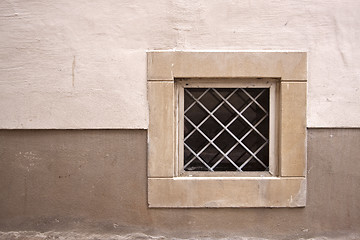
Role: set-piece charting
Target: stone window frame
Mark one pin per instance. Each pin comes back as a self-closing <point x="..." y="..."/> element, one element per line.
<point x="166" y="188"/>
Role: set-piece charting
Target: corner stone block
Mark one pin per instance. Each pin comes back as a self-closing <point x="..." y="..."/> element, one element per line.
<point x="293" y="129"/>
<point x="161" y="129"/>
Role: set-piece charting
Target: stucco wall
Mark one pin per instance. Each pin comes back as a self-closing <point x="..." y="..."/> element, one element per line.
<point x="91" y="180"/>
<point x="82" y="64"/>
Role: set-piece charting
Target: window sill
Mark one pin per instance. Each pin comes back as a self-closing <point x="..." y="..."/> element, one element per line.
<point x="215" y="192"/>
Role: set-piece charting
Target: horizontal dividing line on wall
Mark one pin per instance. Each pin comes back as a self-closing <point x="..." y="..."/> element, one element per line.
<point x="125" y="129"/>
<point x="80" y="129"/>
<point x="352" y="127"/>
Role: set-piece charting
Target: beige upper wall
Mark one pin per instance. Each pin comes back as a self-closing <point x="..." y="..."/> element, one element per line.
<point x="82" y="64"/>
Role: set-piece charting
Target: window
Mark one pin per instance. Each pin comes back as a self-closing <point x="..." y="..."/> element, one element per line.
<point x="226" y="129"/>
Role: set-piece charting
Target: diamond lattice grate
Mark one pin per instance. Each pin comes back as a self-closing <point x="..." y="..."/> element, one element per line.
<point x="226" y="129"/>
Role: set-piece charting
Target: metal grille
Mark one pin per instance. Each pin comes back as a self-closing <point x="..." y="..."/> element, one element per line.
<point x="226" y="129"/>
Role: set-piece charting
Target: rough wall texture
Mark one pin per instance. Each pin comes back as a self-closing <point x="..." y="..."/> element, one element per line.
<point x="91" y="180"/>
<point x="81" y="64"/>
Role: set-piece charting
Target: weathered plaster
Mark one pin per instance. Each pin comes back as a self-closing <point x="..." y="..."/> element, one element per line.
<point x="41" y="86"/>
<point x="91" y="180"/>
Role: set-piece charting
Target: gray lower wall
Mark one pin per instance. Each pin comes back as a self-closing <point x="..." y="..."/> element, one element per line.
<point x="95" y="180"/>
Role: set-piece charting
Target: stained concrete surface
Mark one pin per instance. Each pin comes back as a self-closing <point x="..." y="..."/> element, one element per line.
<point x="94" y="181"/>
<point x="23" y="235"/>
